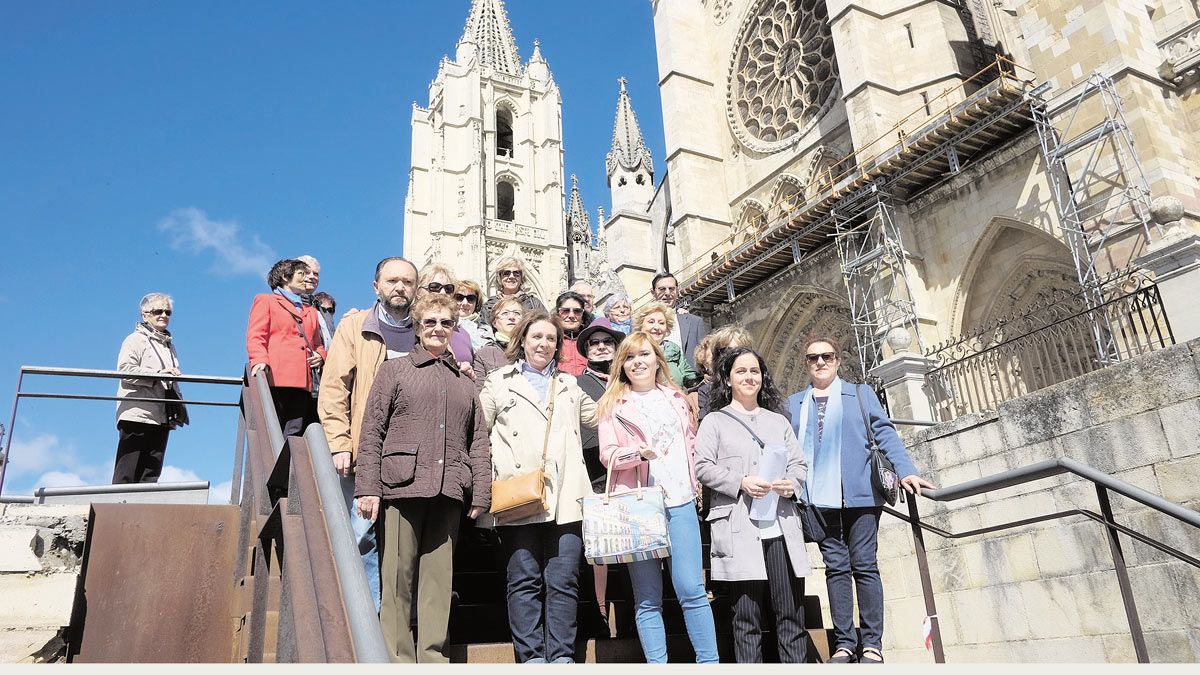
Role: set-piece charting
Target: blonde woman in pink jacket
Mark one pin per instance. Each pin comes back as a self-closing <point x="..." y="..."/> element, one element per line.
<point x="647" y="435"/>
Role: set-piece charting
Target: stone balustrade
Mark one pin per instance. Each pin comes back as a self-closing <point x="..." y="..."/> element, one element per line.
<point x="1181" y="54"/>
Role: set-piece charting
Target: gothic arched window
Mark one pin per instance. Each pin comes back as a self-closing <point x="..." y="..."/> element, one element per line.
<point x="504" y="133"/>
<point x="506" y="199"/>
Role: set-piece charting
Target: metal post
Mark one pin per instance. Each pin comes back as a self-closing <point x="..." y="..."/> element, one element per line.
<point x="935" y="631"/>
<point x="1114" y="544"/>
<point x="11" y="421"/>
<point x="239" y="454"/>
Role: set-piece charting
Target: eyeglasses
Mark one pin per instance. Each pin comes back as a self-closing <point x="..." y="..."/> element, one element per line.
<point x="509" y="273"/>
<point x="568" y="311"/>
<point x="158" y="312"/>
<point x="448" y="324"/>
<point x="439" y="288"/>
<point x="827" y="357"/>
<point x="459" y="297"/>
<point x="596" y="342"/>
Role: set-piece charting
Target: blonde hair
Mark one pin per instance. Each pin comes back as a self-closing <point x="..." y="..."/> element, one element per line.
<point x="704" y="354"/>
<point x="501" y="304"/>
<point x="651" y="307"/>
<point x="505" y="263"/>
<point x="432" y="270"/>
<point x="618" y="381"/>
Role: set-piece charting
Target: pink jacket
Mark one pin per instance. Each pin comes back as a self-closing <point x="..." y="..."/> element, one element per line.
<point x="619" y="441"/>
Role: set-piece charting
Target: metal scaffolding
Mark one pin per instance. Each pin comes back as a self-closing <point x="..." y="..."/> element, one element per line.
<point x="1098" y="185"/>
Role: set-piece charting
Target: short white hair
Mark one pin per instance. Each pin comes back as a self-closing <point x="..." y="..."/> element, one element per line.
<point x="582" y="282"/>
<point x="154" y="298"/>
<point x="309" y="260"/>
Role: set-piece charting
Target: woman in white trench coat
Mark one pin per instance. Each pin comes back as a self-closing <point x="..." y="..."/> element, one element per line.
<point x="764" y="556"/>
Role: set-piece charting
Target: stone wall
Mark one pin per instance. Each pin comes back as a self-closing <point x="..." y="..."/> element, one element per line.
<point x="40" y="552"/>
<point x="1047" y="592"/>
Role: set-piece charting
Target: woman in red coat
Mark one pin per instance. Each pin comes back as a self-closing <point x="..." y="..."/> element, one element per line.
<point x="284" y="339"/>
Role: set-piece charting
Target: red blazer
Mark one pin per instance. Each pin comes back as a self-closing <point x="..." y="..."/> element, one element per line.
<point x="273" y="338"/>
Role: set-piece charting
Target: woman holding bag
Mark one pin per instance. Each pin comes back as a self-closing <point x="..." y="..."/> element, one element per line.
<point x="760" y="553"/>
<point x="647" y="437"/>
<point x="534" y="412"/>
<point x="830" y="419"/>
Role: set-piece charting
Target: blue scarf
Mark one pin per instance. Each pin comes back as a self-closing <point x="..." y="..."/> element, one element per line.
<point x="824" y="483"/>
<point x="295" y="299"/>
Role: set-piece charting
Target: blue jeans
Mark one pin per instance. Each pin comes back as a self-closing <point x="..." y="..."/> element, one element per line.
<point x="687" y="576"/>
<point x="364" y="531"/>
<point x="849" y="547"/>
<point x="543" y="589"/>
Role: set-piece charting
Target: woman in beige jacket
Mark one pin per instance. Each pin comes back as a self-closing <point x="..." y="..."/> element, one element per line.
<point x="530" y="405"/>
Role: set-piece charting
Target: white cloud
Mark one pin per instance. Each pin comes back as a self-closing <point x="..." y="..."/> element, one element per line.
<point x="35" y="454"/>
<point x="219" y="493"/>
<point x="174" y="474"/>
<point x="191" y="230"/>
<point x="53" y="479"/>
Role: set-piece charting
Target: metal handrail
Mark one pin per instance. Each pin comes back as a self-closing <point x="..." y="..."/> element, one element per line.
<point x="365" y="629"/>
<point x="1046" y="469"/>
<point x="101" y="374"/>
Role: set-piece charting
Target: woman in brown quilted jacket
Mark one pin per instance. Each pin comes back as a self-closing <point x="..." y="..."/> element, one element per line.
<point x="423" y="456"/>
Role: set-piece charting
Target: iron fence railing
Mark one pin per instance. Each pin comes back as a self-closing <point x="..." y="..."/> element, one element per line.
<point x="1055" y="340"/>
<point x="1103" y="483"/>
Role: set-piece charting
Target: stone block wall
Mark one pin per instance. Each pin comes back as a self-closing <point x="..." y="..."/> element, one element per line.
<point x="1047" y="592"/>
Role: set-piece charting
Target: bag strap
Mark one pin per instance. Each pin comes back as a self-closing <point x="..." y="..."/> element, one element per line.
<point x="745" y="426"/>
<point x="549" y="417"/>
<point x="866" y="419"/>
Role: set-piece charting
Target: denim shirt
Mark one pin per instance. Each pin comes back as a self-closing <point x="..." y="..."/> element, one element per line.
<point x="539" y="379"/>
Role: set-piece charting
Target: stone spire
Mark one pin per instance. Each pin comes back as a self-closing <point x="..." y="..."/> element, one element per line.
<point x="489" y="35"/>
<point x="629" y="149"/>
<point x="579" y="224"/>
<point x="537" y="68"/>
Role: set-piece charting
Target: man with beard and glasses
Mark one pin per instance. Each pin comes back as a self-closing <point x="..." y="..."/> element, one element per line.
<point x="363" y="341"/>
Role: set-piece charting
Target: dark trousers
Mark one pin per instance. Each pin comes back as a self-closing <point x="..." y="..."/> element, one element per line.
<point x="849" y="548"/>
<point x="296" y="409"/>
<point x="787" y="599"/>
<point x="543" y="589"/>
<point x="140" y="450"/>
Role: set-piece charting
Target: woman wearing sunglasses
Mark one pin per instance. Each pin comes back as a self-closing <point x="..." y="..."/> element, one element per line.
<point x="828" y="422"/>
<point x="511" y="280"/>
<point x="142" y="426"/>
<point x="468" y="297"/>
<point x="571" y="309"/>
<point x="424" y="457"/>
<point x="436" y="278"/>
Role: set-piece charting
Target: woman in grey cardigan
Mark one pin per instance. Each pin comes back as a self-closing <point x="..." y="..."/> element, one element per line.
<point x="143" y="426"/>
<point x="747" y="453"/>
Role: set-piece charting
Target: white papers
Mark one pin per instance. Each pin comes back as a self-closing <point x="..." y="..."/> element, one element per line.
<point x="771" y="466"/>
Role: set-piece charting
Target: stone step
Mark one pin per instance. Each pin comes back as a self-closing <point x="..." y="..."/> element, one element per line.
<point x="629" y="650"/>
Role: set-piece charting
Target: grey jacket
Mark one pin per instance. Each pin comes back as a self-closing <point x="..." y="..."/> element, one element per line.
<point x="146" y="352"/>
<point x="725" y="453"/>
<point x="691" y="331"/>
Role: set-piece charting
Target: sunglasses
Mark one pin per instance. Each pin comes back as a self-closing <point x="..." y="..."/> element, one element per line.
<point x="439" y="288"/>
<point x="828" y="357"/>
<point x="448" y="324"/>
<point x="596" y="342"/>
<point x="510" y="273"/>
<point x="159" y="312"/>
<point x="568" y="311"/>
<point x="459" y="297"/>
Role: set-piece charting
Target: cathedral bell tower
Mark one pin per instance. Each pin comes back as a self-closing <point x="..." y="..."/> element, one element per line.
<point x="487" y="161"/>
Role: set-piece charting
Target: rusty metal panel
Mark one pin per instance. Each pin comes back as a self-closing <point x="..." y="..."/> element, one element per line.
<point x="157" y="585"/>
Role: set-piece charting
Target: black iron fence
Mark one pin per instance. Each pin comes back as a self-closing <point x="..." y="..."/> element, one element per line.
<point x="1064" y="336"/>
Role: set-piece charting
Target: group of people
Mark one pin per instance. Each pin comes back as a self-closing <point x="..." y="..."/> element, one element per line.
<point x="434" y="393"/>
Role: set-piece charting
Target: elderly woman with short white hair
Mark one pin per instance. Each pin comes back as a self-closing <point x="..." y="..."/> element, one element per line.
<point x="619" y="312"/>
<point x="143" y="425"/>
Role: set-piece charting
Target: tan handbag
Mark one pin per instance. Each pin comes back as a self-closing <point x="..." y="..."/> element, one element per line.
<point x="520" y="497"/>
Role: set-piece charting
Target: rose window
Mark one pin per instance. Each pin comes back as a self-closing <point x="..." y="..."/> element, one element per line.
<point x="784" y="73"/>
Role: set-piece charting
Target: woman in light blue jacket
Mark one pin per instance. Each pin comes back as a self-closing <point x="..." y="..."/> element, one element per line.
<point x="828" y="422"/>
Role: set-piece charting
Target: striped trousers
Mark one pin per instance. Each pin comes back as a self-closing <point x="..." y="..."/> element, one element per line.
<point x="786" y="591"/>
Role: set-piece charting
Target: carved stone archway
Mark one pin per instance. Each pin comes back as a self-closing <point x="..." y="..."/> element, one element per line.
<point x="806" y="310"/>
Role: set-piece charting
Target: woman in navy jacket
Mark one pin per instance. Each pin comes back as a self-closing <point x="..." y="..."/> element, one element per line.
<point x="829" y="425"/>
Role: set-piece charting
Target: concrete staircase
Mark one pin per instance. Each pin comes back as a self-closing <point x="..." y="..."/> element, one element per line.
<point x="479" y="619"/>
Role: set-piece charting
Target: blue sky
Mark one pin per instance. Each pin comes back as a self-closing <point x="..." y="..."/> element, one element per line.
<point x="183" y="147"/>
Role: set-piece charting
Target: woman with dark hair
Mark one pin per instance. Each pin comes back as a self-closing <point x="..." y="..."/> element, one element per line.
<point x="757" y="540"/>
<point x="283" y="338"/>
<point x="827" y="418"/>
<point x="571" y="308"/>
<point x="535" y="412"/>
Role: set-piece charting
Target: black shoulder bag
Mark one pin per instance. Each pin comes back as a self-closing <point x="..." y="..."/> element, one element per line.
<point x="811" y="520"/>
<point x="884" y="478"/>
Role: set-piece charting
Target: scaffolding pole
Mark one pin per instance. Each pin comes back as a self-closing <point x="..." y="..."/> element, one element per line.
<point x="873" y="262"/>
<point x="1098" y="185"/>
